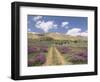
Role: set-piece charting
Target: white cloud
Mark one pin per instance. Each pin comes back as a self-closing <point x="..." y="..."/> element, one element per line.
<point x="76" y="32"/>
<point x="64" y="24"/>
<point x="73" y="31"/>
<point x="45" y="26"/>
<point x="29" y="30"/>
<point x="55" y="26"/>
<point x="36" y="18"/>
<point x="38" y="22"/>
<point x="84" y="34"/>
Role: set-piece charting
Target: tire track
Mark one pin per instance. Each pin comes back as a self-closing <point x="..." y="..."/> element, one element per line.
<point x="59" y="57"/>
<point x="49" y="57"/>
<point x="55" y="58"/>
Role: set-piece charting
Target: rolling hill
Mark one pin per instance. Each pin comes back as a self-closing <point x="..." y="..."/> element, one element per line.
<point x="55" y="36"/>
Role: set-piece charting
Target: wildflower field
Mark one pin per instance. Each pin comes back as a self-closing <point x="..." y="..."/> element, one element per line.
<point x="49" y="51"/>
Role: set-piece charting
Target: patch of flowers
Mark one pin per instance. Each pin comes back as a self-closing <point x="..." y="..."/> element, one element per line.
<point x="79" y="57"/>
<point x="63" y="50"/>
<point x="38" y="60"/>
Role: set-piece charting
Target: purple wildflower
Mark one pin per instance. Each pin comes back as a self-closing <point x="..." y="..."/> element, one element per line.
<point x="82" y="54"/>
<point x="41" y="58"/>
<point x="32" y="49"/>
<point x="38" y="60"/>
<point x="63" y="50"/>
<point x="79" y="57"/>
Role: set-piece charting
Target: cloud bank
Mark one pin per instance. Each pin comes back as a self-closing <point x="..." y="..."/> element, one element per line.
<point x="45" y="26"/>
<point x="64" y="24"/>
<point x="36" y="18"/>
<point x="76" y="32"/>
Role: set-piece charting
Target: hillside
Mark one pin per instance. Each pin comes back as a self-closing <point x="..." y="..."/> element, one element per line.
<point x="55" y="36"/>
<point x="32" y="35"/>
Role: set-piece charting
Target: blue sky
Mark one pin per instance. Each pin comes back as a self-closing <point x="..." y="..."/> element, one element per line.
<point x="60" y="24"/>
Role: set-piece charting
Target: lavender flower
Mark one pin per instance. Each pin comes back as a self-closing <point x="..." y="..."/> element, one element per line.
<point x="82" y="54"/>
<point x="38" y="60"/>
<point x="32" y="49"/>
<point x="41" y="58"/>
<point x="63" y="50"/>
<point x="79" y="57"/>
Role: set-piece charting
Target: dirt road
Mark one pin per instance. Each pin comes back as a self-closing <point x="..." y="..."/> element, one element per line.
<point x="55" y="57"/>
